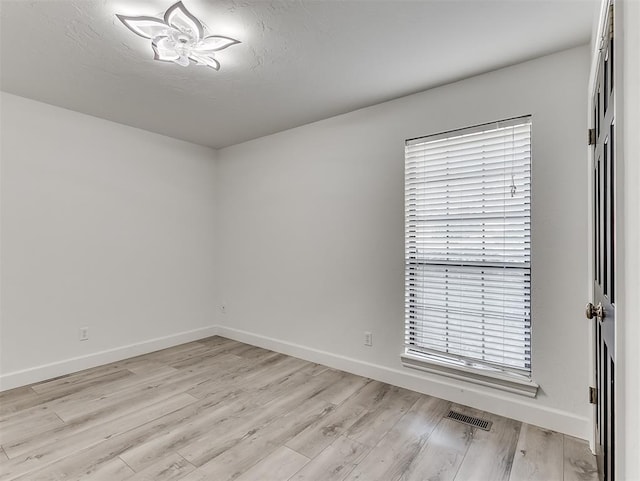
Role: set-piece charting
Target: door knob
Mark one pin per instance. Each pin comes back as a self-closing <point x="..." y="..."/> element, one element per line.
<point x="594" y="311"/>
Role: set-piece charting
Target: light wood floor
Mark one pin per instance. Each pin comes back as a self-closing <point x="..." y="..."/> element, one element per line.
<point x="220" y="410"/>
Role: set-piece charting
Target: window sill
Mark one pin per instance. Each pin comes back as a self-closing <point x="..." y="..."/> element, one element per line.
<point x="469" y="374"/>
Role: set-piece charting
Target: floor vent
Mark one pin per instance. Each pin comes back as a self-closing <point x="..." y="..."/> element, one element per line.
<point x="470" y="420"/>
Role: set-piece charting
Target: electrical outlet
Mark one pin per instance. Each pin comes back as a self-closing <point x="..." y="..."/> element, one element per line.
<point x="84" y="333"/>
<point x="223" y="308"/>
<point x="368" y="339"/>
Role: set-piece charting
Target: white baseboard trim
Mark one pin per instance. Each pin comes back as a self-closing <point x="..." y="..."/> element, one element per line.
<point x="60" y="368"/>
<point x="524" y="410"/>
<point x="460" y="392"/>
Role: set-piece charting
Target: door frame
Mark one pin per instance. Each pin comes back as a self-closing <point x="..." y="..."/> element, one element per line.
<point x="627" y="19"/>
<point x="627" y="146"/>
<point x="596" y="39"/>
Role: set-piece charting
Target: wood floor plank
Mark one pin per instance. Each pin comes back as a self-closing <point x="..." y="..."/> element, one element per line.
<point x="281" y="386"/>
<point x="87" y="451"/>
<point x="122" y="430"/>
<point x="219" y="344"/>
<point x="16" y="394"/>
<point x="251" y="352"/>
<point x="381" y="417"/>
<point x="188" y="358"/>
<point x="152" y="369"/>
<point x="75" y="386"/>
<point x="171" y="468"/>
<point x="77" y="400"/>
<point x="335" y="462"/>
<point x="157" y="388"/>
<point x="278" y="466"/>
<point x="205" y="354"/>
<point x="19" y="399"/>
<point x="152" y="385"/>
<point x="490" y="452"/>
<point x="441" y="456"/>
<point x="96" y="416"/>
<point x="210" y="414"/>
<point x="100" y="469"/>
<point x="269" y="376"/>
<point x="314" y="369"/>
<point x="223" y="437"/>
<point x="538" y="455"/>
<point x="112" y="469"/>
<point x="157" y="357"/>
<point x="346" y="385"/>
<point x="259" y="443"/>
<point x="241" y="372"/>
<point x="76" y="379"/>
<point x="175" y="353"/>
<point x="63" y="392"/>
<point x="579" y="463"/>
<point x="254" y="368"/>
<point x="326" y="430"/>
<point x="374" y="393"/>
<point x="17" y="429"/>
<point x="393" y="455"/>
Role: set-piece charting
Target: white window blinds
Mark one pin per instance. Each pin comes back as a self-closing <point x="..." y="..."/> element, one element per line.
<point x="468" y="247"/>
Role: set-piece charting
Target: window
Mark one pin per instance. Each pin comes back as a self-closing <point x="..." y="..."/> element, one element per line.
<point x="468" y="253"/>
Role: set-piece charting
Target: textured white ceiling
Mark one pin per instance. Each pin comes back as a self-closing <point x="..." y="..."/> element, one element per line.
<point x="299" y="61"/>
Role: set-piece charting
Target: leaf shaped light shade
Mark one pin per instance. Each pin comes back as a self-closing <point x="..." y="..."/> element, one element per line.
<point x="179" y="37"/>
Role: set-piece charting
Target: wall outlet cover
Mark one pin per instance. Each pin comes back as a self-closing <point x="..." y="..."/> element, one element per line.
<point x="84" y="333"/>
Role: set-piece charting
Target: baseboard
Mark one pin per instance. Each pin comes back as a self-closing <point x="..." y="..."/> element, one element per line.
<point x="524" y="410"/>
<point x="47" y="371"/>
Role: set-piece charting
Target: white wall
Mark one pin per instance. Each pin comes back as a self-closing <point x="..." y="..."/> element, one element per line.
<point x="311" y="235"/>
<point x="300" y="234"/>
<point x="627" y="23"/>
<point x="104" y="226"/>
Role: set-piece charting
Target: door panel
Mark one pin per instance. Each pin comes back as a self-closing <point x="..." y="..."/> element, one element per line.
<point x="604" y="243"/>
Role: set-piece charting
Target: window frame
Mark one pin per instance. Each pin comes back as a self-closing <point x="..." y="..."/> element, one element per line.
<point x="461" y="368"/>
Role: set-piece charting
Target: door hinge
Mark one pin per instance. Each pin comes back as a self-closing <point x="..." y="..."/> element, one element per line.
<point x="593" y="395"/>
<point x="591" y="136"/>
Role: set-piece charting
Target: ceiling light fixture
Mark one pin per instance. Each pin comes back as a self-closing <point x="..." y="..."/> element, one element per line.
<point x="179" y="37"/>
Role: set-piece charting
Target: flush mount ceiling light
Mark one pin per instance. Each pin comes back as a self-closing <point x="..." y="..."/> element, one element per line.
<point x="179" y="37"/>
